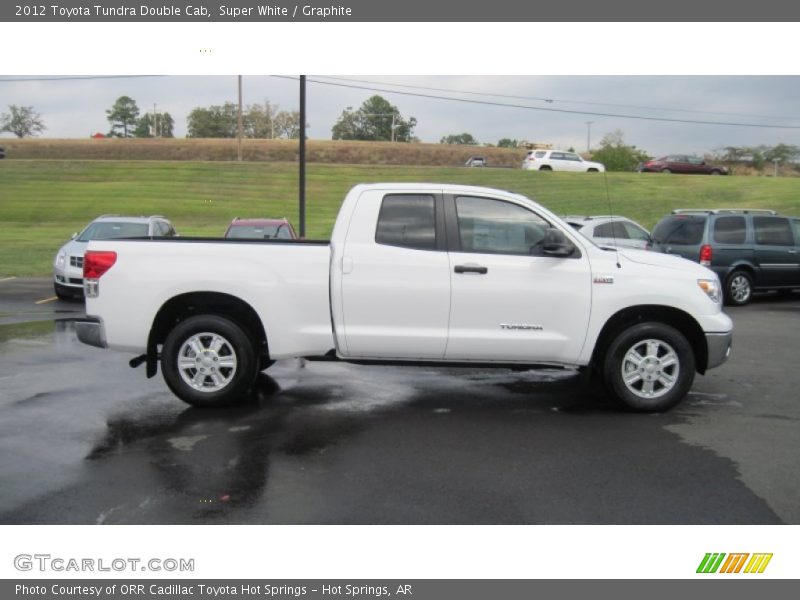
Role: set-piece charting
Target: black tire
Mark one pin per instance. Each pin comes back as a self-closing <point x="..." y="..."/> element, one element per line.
<point x="238" y="344"/>
<point x="738" y="288"/>
<point x="716" y="172"/>
<point x="592" y="170"/>
<point x="666" y="171"/>
<point x="674" y="346"/>
<point x="64" y="293"/>
<point x="545" y="168"/>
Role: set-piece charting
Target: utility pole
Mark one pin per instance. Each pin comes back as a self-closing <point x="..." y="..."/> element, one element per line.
<point x="239" y="124"/>
<point x="589" y="136"/>
<point x="302" y="174"/>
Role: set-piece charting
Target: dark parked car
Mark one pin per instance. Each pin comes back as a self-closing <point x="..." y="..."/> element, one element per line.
<point x="2" y="153"/>
<point x="749" y="249"/>
<point x="681" y="163"/>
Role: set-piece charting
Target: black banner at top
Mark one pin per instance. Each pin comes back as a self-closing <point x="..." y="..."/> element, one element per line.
<point x="399" y="11"/>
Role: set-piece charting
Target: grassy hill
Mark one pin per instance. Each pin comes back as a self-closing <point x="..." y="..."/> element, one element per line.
<point x="318" y="151"/>
<point x="43" y="201"/>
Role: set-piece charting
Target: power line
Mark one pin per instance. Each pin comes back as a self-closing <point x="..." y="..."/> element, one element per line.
<point x="543" y="108"/>
<point x="551" y="100"/>
<point x="77" y="78"/>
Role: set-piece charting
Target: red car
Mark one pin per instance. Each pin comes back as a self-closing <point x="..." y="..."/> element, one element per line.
<point x="681" y="163"/>
<point x="261" y="229"/>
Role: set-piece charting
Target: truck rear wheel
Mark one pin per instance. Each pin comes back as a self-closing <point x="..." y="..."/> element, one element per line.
<point x="649" y="367"/>
<point x="209" y="361"/>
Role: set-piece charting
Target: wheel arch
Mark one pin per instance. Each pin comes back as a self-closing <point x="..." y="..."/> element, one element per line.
<point x="183" y="306"/>
<point x="675" y="317"/>
<point x="741" y="266"/>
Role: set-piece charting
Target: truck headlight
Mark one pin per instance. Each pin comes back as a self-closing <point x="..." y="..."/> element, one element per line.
<point x="711" y="288"/>
<point x="61" y="259"/>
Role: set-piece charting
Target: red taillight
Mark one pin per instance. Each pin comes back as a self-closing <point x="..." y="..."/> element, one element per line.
<point x="97" y="262"/>
<point x="705" y="255"/>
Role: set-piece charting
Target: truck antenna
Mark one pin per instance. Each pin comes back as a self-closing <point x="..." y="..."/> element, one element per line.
<point x="611" y="214"/>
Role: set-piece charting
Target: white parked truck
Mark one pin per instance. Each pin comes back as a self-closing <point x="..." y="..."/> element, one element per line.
<point x="413" y="274"/>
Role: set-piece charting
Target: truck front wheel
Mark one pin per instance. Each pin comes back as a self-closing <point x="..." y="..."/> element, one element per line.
<point x="209" y="361"/>
<point x="649" y="367"/>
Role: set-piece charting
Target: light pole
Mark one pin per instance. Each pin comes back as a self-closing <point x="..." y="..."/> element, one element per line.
<point x="302" y="157"/>
<point x="239" y="124"/>
<point x="589" y="136"/>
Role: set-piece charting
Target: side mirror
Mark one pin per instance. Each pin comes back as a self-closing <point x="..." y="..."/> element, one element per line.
<point x="73" y="236"/>
<point x="557" y="244"/>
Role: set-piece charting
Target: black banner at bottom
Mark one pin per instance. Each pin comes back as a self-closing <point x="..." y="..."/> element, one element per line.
<point x="411" y="589"/>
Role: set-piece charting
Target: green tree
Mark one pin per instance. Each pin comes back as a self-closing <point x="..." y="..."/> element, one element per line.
<point x="123" y="115"/>
<point x="461" y="139"/>
<point x="616" y="155"/>
<point x="160" y="126"/>
<point x="287" y="124"/>
<point x="22" y="121"/>
<point x="218" y="121"/>
<point x="508" y="143"/>
<point x="258" y="120"/>
<point x="373" y="121"/>
<point x="782" y="153"/>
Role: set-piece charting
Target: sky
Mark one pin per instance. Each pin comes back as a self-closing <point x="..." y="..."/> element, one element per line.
<point x="76" y="108"/>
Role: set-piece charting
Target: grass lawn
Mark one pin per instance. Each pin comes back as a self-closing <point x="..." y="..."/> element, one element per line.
<point x="42" y="202"/>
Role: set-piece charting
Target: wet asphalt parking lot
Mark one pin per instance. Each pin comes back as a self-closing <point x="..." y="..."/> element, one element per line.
<point x="86" y="439"/>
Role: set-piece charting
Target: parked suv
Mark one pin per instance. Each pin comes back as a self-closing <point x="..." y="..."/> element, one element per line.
<point x="605" y="230"/>
<point x="557" y="160"/>
<point x="261" y="229"/>
<point x="681" y="163"/>
<point x="68" y="264"/>
<point x="475" y="161"/>
<point x="749" y="249"/>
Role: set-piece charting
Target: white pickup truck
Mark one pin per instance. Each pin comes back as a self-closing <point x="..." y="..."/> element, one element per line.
<point x="413" y="274"/>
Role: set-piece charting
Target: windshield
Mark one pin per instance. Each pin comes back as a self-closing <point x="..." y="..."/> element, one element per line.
<point x="110" y="230"/>
<point x="680" y="230"/>
<point x="260" y="232"/>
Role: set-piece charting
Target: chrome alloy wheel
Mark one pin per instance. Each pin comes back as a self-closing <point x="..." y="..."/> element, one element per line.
<point x="650" y="368"/>
<point x="740" y="289"/>
<point x="207" y="362"/>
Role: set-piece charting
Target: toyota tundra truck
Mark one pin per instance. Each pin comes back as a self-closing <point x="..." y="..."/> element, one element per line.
<point x="414" y="274"/>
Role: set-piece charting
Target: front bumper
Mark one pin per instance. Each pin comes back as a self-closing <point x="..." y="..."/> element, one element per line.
<point x="719" y="348"/>
<point x="68" y="277"/>
<point x="91" y="331"/>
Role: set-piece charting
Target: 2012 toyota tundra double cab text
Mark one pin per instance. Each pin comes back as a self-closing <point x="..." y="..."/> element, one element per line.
<point x="413" y="274"/>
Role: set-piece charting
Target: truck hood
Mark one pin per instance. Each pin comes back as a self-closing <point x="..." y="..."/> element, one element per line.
<point x="669" y="261"/>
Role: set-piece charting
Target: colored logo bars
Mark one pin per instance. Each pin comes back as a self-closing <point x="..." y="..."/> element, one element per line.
<point x="713" y="563"/>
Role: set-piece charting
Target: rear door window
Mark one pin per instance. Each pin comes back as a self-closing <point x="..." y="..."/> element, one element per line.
<point x="635" y="232"/>
<point x="611" y="230"/>
<point x="408" y="221"/>
<point x="681" y="230"/>
<point x="729" y="230"/>
<point x="773" y="231"/>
